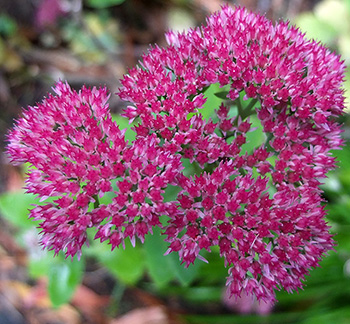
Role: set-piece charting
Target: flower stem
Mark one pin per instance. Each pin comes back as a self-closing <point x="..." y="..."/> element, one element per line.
<point x="245" y="112"/>
<point x="97" y="202"/>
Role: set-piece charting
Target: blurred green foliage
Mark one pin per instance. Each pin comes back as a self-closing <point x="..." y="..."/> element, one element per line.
<point x="10" y="60"/>
<point x="92" y="37"/>
<point x="103" y="3"/>
<point x="8" y="26"/>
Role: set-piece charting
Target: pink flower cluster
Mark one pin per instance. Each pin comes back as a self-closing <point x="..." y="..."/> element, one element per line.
<point x="262" y="208"/>
<point x="78" y="155"/>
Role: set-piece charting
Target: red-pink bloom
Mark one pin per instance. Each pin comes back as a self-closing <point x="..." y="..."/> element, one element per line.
<point x="71" y="141"/>
<point x="79" y="154"/>
<point x="262" y="208"/>
<point x="138" y="202"/>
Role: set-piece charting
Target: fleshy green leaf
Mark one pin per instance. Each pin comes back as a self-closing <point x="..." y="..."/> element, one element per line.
<point x="254" y="138"/>
<point x="163" y="268"/>
<point x="127" y="265"/>
<point x="221" y="95"/>
<point x="64" y="277"/>
<point x="40" y="262"/>
<point x="170" y="192"/>
<point x="14" y="207"/>
<point x="158" y="266"/>
<point x="123" y="123"/>
<point x="213" y="101"/>
<point x="184" y="275"/>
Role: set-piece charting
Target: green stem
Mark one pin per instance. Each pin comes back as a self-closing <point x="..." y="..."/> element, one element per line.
<point x="97" y="202"/>
<point x="250" y="106"/>
<point x="247" y="111"/>
<point x="239" y="106"/>
<point x="267" y="142"/>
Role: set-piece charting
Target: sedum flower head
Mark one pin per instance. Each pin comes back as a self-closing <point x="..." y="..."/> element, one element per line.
<point x="262" y="208"/>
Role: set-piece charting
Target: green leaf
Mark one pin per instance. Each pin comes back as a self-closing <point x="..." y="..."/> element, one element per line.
<point x="213" y="101"/>
<point x="347" y="89"/>
<point x="189" y="168"/>
<point x="127" y="265"/>
<point x="15" y="208"/>
<point x="158" y="265"/>
<point x="199" y="295"/>
<point x="171" y="192"/>
<point x="64" y="276"/>
<point x="343" y="156"/>
<point x="184" y="275"/>
<point x="123" y="123"/>
<point x="103" y="3"/>
<point x="340" y="316"/>
<point x="213" y="272"/>
<point x="255" y="138"/>
<point x="40" y="262"/>
<point x="164" y="268"/>
<point x="221" y="95"/>
<point x="339" y="212"/>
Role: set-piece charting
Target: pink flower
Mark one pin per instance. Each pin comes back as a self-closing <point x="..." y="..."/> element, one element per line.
<point x="138" y="202"/>
<point x="79" y="154"/>
<point x="64" y="139"/>
<point x="262" y="208"/>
